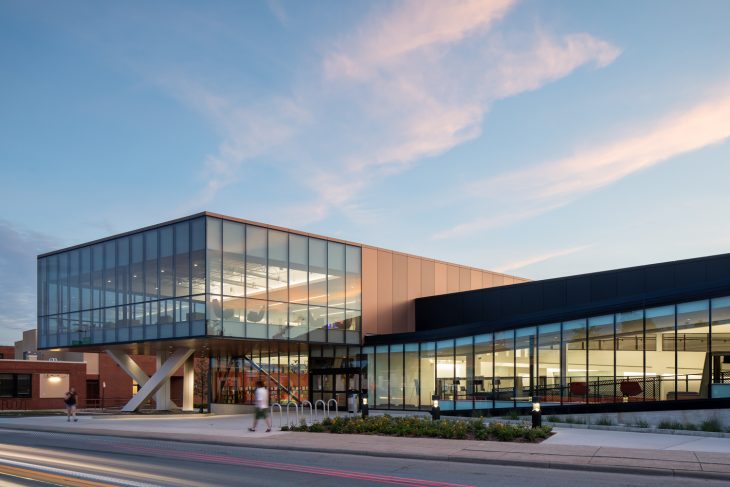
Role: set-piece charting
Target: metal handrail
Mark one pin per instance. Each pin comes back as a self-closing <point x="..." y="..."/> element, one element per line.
<point x="273" y="379"/>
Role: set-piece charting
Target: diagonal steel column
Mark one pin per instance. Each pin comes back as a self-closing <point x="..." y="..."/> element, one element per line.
<point x="260" y="369"/>
<point x="128" y="365"/>
<point x="163" y="374"/>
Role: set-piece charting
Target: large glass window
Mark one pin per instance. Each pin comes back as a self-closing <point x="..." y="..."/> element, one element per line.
<point x="256" y="262"/>
<point x="483" y="371"/>
<point x="427" y="382"/>
<point x="630" y="355"/>
<point x="411" y="384"/>
<point x="353" y="277"/>
<point x="525" y="348"/>
<point x="150" y="270"/>
<point x="335" y="275"/>
<point x="317" y="272"/>
<point x="396" y="376"/>
<point x="167" y="270"/>
<point x="381" y="376"/>
<point x="234" y="259"/>
<point x="601" y="382"/>
<point x="548" y="363"/>
<point x="445" y="374"/>
<point x="197" y="256"/>
<point x="278" y="266"/>
<point x="504" y="369"/>
<point x="721" y="347"/>
<point x="464" y="373"/>
<point x="693" y="338"/>
<point x="660" y="379"/>
<point x="182" y="259"/>
<point x="298" y="267"/>
<point x="575" y="355"/>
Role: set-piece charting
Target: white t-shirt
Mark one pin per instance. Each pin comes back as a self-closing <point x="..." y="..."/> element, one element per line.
<point x="262" y="398"/>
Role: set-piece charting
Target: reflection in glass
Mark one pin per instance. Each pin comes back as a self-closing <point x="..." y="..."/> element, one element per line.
<point x="234" y="258"/>
<point x="255" y="262"/>
<point x="601" y="383"/>
<point x="692" y="349"/>
<point x="278" y="266"/>
<point x="396" y="376"/>
<point x="660" y="380"/>
<point x="575" y="355"/>
<point x="630" y="355"/>
<point x="298" y="264"/>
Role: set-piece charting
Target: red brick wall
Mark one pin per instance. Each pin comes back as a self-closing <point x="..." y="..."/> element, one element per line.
<point x="77" y="379"/>
<point x="7" y="352"/>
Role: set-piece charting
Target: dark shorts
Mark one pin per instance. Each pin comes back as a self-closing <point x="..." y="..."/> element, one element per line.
<point x="70" y="406"/>
<point x="261" y="413"/>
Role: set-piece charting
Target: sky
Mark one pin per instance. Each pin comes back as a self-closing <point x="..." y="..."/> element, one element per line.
<point x="539" y="139"/>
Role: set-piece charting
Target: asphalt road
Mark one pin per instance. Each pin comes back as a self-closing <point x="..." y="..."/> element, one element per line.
<point x="31" y="458"/>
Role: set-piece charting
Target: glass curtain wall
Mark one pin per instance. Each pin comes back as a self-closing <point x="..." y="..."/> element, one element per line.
<point x="670" y="352"/>
<point x="601" y="383"/>
<point x="484" y="371"/>
<point x="197" y="277"/>
<point x="720" y="348"/>
<point x="134" y="287"/>
<point x="693" y="350"/>
<point x="661" y="374"/>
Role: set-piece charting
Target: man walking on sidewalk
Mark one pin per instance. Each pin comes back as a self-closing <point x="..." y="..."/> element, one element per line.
<point x="262" y="406"/>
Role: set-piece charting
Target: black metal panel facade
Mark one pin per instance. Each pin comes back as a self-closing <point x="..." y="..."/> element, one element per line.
<point x="573" y="296"/>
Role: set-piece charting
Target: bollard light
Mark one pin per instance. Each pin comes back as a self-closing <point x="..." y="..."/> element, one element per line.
<point x="536" y="414"/>
<point x="435" y="409"/>
<point x="364" y="408"/>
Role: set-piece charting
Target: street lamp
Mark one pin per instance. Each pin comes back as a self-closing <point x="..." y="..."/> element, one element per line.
<point x="435" y="409"/>
<point x="364" y="410"/>
<point x="536" y="413"/>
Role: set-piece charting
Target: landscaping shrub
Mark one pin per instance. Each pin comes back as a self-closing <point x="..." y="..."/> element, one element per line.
<point x="604" y="421"/>
<point x="425" y="427"/>
<point x="670" y="425"/>
<point x="712" y="424"/>
<point x="512" y="414"/>
<point x="640" y="423"/>
<point x="554" y="419"/>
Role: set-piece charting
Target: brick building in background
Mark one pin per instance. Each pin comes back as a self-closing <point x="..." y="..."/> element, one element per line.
<point x="32" y="379"/>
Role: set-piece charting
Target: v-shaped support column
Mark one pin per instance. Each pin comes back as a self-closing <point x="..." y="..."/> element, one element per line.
<point x="128" y="365"/>
<point x="159" y="379"/>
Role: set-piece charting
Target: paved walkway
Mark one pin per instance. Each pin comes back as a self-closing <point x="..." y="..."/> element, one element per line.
<point x="568" y="449"/>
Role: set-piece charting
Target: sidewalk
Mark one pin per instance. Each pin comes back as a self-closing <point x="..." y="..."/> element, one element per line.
<point x="568" y="449"/>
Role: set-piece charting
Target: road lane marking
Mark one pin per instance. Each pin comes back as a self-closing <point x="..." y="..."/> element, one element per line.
<point x="70" y="477"/>
<point x="329" y="472"/>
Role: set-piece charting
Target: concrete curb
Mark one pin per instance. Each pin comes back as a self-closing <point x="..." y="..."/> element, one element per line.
<point x="625" y="429"/>
<point x="378" y="454"/>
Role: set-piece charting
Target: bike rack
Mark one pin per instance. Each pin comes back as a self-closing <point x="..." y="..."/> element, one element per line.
<point x="296" y="411"/>
<point x="311" y="411"/>
<point x="324" y="408"/>
<point x="281" y="414"/>
<point x="337" y="413"/>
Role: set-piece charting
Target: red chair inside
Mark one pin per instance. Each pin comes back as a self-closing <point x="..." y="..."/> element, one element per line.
<point x="578" y="388"/>
<point x="631" y="388"/>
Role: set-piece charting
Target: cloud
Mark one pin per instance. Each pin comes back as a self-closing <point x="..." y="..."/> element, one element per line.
<point x="18" y="250"/>
<point x="412" y="81"/>
<point x="536" y="259"/>
<point x="411" y="26"/>
<point x="550" y="185"/>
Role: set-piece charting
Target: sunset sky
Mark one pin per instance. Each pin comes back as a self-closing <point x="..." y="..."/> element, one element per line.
<point x="537" y="138"/>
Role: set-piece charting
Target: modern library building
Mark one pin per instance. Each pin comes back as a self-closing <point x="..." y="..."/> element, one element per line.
<point x="317" y="317"/>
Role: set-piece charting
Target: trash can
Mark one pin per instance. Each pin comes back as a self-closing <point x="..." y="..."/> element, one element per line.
<point x="352" y="402"/>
